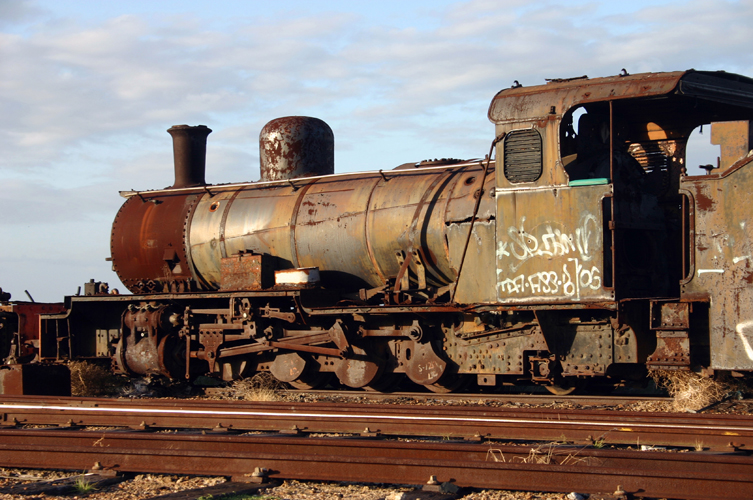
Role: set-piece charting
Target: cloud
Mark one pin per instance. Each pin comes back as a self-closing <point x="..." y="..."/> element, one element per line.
<point x="86" y="102"/>
<point x="17" y="12"/>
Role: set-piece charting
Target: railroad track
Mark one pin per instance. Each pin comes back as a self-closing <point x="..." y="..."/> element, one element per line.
<point x="502" y="448"/>
<point x="549" y="468"/>
<point x="692" y="431"/>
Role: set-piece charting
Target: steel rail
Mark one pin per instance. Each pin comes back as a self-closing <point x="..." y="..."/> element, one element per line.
<point x="698" y="431"/>
<point x="556" y="469"/>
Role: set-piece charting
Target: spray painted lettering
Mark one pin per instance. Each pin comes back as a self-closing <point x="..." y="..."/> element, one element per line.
<point x="573" y="279"/>
<point x="547" y="240"/>
<point x="565" y="257"/>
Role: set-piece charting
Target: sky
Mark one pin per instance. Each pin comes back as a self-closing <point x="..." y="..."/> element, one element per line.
<point x="89" y="88"/>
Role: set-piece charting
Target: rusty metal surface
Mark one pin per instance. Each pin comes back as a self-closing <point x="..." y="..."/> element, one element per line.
<point x="672" y="351"/>
<point x="723" y="262"/>
<point x="735" y="139"/>
<point x="522" y="104"/>
<point x="19" y="329"/>
<point x="350" y="227"/>
<point x="655" y="474"/>
<point x="242" y="219"/>
<point x="244" y="272"/>
<point x="146" y="346"/>
<point x="147" y="244"/>
<point x="294" y="147"/>
<point x="670" y="315"/>
<point x="551" y="245"/>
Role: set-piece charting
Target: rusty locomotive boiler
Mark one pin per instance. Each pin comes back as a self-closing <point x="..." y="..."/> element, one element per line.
<point x="581" y="249"/>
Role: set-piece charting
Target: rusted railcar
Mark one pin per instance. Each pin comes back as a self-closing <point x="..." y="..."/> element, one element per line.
<point x="19" y="346"/>
<point x="581" y="250"/>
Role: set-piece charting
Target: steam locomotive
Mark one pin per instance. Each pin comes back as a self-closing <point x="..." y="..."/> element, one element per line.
<point x="578" y="249"/>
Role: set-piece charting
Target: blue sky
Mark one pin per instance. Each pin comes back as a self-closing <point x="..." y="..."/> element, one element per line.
<point x="88" y="89"/>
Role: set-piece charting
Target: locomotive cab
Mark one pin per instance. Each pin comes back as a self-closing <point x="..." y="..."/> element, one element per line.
<point x="595" y="206"/>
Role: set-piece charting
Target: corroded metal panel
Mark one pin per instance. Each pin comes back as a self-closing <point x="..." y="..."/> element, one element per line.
<point x="330" y="231"/>
<point x="550" y="245"/>
<point x="260" y="221"/>
<point x="526" y="103"/>
<point x="465" y="190"/>
<point x="476" y="284"/>
<point x="19" y="329"/>
<point x="735" y="139"/>
<point x="406" y="214"/>
<point x="241" y="220"/>
<point x="244" y="272"/>
<point x="296" y="146"/>
<point x="147" y="241"/>
<point x="722" y="268"/>
<point x="205" y="236"/>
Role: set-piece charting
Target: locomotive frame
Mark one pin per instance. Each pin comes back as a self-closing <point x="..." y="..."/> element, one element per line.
<point x="582" y="251"/>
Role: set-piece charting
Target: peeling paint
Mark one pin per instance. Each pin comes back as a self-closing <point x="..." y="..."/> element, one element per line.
<point x="705" y="271"/>
<point x="746" y="336"/>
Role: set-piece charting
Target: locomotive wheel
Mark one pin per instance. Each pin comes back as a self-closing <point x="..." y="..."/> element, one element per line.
<point x="359" y="370"/>
<point x="289" y="367"/>
<point x="301" y="372"/>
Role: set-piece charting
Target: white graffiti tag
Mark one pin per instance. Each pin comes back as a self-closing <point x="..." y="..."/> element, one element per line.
<point x="549" y="241"/>
<point x="573" y="279"/>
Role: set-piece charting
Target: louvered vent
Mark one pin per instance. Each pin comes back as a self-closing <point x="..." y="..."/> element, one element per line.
<point x="523" y="161"/>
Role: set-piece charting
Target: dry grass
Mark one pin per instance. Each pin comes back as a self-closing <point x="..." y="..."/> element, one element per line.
<point x="88" y="379"/>
<point x="691" y="391"/>
<point x="495" y="455"/>
<point x="261" y="387"/>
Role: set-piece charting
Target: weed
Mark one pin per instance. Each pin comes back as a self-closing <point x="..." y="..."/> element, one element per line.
<point x="261" y="387"/>
<point x="599" y="443"/>
<point x="691" y="391"/>
<point x="88" y="379"/>
<point x="698" y="445"/>
<point x="82" y="486"/>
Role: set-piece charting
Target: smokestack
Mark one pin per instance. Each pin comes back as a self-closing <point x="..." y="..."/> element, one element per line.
<point x="190" y="154"/>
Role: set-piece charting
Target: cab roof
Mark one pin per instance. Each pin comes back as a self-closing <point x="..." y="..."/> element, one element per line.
<point x="522" y="104"/>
